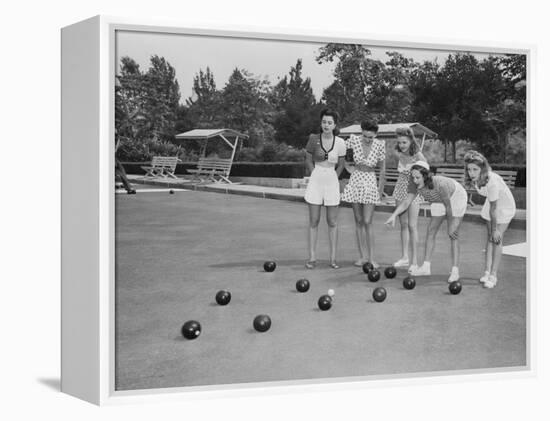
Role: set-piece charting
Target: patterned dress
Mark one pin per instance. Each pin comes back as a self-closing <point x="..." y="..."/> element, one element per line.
<point x="362" y="186"/>
<point x="404" y="168"/>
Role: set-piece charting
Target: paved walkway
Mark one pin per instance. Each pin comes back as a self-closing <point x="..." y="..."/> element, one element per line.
<point x="279" y="193"/>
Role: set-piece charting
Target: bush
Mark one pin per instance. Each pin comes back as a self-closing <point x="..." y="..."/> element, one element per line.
<point x="267" y="152"/>
<point x="247" y="154"/>
<point x="143" y="151"/>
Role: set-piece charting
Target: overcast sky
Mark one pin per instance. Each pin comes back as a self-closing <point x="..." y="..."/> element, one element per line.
<point x="264" y="58"/>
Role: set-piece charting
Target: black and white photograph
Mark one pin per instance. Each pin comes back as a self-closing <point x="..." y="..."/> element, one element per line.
<point x="275" y="210"/>
<point x="316" y="211"/>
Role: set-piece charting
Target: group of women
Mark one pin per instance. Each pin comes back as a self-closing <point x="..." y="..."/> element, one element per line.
<point x="416" y="183"/>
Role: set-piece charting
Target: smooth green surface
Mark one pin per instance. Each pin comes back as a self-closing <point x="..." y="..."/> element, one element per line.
<point x="174" y="252"/>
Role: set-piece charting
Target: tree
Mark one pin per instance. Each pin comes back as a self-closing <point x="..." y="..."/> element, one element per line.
<point x="297" y="110"/>
<point x="245" y="106"/>
<point x="205" y="105"/>
<point x="162" y="98"/>
<point x="146" y="106"/>
<point x="354" y="79"/>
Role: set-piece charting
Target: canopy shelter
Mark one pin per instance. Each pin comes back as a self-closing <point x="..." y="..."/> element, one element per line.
<point x="229" y="136"/>
<point x="387" y="131"/>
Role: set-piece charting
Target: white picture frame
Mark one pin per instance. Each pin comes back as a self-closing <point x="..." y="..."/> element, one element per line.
<point x="88" y="259"/>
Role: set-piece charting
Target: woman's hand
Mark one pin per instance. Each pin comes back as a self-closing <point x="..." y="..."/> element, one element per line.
<point x="496" y="236"/>
<point x="391" y="221"/>
<point x="453" y="230"/>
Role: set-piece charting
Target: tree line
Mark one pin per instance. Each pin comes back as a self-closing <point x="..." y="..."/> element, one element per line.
<point x="481" y="101"/>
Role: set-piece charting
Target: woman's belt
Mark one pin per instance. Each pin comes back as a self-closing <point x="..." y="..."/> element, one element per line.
<point x="364" y="168"/>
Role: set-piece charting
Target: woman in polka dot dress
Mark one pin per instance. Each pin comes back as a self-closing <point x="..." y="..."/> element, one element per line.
<point x="362" y="190"/>
<point x="408" y="153"/>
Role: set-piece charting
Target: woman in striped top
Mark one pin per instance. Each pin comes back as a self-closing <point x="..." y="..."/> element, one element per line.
<point x="448" y="200"/>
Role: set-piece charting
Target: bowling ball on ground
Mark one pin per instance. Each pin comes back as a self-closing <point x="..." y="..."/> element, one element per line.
<point x="409" y="283"/>
<point x="374" y="275"/>
<point x="455" y="287"/>
<point x="262" y="323"/>
<point x="379" y="295"/>
<point x="367" y="267"/>
<point x="171" y="191"/>
<point x="223" y="297"/>
<point x="302" y="285"/>
<point x="390" y="272"/>
<point x="269" y="266"/>
<point x="191" y="329"/>
<point x="324" y="303"/>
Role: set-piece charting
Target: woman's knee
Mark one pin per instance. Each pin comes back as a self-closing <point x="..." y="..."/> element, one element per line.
<point x="332" y="222"/>
<point x="432" y="230"/>
<point x="314" y="222"/>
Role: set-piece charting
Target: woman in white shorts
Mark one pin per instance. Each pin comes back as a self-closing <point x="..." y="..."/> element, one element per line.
<point x="448" y="200"/>
<point x="498" y="210"/>
<point x="325" y="153"/>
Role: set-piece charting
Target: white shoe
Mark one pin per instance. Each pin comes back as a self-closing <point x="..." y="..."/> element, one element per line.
<point x="491" y="282"/>
<point x="412" y="268"/>
<point x="454" y="275"/>
<point x="401" y="263"/>
<point x="375" y="265"/>
<point x="421" y="271"/>
<point x="484" y="278"/>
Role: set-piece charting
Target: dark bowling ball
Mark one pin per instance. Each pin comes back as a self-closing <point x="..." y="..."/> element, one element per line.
<point x="262" y="323"/>
<point x="379" y="294"/>
<point x="191" y="329"/>
<point x="302" y="285"/>
<point x="367" y="267"/>
<point x="223" y="297"/>
<point x="325" y="302"/>
<point x="171" y="191"/>
<point x="455" y="287"/>
<point x="390" y="272"/>
<point x="374" y="275"/>
<point x="409" y="283"/>
<point x="269" y="266"/>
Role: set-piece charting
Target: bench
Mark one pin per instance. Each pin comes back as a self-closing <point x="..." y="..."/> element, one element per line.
<point x="161" y="166"/>
<point x="391" y="176"/>
<point x="509" y="177"/>
<point x="212" y="169"/>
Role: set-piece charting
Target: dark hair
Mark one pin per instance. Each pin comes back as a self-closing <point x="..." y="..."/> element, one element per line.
<point x="327" y="112"/>
<point x="474" y="157"/>
<point x="407" y="132"/>
<point x="369" y="125"/>
<point x="426" y="175"/>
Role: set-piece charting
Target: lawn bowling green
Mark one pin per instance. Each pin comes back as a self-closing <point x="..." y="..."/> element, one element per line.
<point x="175" y="252"/>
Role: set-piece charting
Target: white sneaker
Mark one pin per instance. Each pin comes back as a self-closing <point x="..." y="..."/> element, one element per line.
<point x="412" y="268"/>
<point x="491" y="282"/>
<point x="401" y="263"/>
<point x="421" y="271"/>
<point x="375" y="265"/>
<point x="454" y="275"/>
<point x="484" y="278"/>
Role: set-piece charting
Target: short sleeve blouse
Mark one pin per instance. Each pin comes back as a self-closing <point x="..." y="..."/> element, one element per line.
<point x="313" y="147"/>
<point x="376" y="153"/>
<point x="441" y="184"/>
